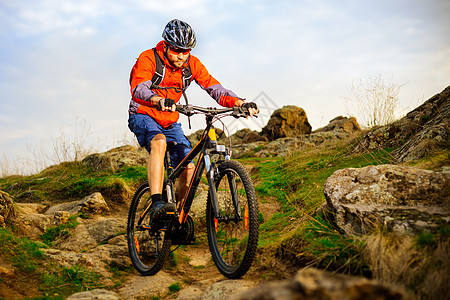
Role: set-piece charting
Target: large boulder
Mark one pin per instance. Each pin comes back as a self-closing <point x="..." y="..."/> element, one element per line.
<point x="288" y="121"/>
<point x="340" y="123"/>
<point x="419" y="132"/>
<point x="404" y="199"/>
<point x="246" y="136"/>
<point x="117" y="158"/>
<point x="7" y="209"/>
<point x="313" y="284"/>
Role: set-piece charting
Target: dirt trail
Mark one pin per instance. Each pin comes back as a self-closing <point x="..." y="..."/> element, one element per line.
<point x="191" y="272"/>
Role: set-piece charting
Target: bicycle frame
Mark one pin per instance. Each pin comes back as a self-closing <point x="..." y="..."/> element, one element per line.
<point x="207" y="142"/>
<point x="232" y="218"/>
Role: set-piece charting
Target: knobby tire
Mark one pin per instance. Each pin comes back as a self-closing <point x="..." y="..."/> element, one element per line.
<point x="232" y="243"/>
<point x="148" y="249"/>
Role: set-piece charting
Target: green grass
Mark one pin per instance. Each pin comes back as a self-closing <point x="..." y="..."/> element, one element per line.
<point x="55" y="282"/>
<point x="295" y="233"/>
<point x="176" y="287"/>
<point x="54" y="233"/>
<point x="71" y="180"/>
<point x="24" y="253"/>
<point x="61" y="282"/>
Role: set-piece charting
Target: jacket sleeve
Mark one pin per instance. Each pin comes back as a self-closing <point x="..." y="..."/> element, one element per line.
<point x="201" y="75"/>
<point x="141" y="78"/>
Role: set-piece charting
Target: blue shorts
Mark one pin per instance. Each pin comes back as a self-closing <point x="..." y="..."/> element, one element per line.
<point x="145" y="128"/>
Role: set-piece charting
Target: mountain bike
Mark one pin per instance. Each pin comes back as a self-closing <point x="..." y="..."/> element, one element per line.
<point x="232" y="218"/>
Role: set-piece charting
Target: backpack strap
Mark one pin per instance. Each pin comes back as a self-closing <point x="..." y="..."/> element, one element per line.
<point x="161" y="70"/>
<point x="187" y="76"/>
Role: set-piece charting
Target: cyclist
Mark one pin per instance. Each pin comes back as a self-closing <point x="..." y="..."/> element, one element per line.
<point x="152" y="111"/>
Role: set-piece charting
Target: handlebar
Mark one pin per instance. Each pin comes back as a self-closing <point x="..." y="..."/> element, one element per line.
<point x="189" y="110"/>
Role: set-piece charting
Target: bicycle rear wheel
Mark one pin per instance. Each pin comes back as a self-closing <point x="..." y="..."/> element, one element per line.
<point x="233" y="237"/>
<point x="149" y="249"/>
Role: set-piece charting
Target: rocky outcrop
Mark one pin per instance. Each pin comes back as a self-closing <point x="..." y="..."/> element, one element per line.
<point x="112" y="252"/>
<point x="340" y="123"/>
<point x="288" y="145"/>
<point x="90" y="233"/>
<point x="404" y="199"/>
<point x="421" y="131"/>
<point x="313" y="284"/>
<point x="288" y="121"/>
<point x="7" y="209"/>
<point x="245" y="136"/>
<point x="92" y="204"/>
<point x="117" y="158"/>
<point x="247" y="143"/>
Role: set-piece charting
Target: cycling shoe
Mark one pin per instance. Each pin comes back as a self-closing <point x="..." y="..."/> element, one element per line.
<point x="158" y="210"/>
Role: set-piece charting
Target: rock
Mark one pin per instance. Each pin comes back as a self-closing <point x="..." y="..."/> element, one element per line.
<point x="237" y="137"/>
<point x="312" y="284"/>
<point x="117" y="158"/>
<point x="418" y="133"/>
<point x="147" y="287"/>
<point x="114" y="253"/>
<point x="95" y="295"/>
<point x="92" y="204"/>
<point x="245" y="136"/>
<point x="30" y="220"/>
<point x="340" y="123"/>
<point x="34" y="225"/>
<point x="288" y="121"/>
<point x="79" y="239"/>
<point x="288" y="145"/>
<point x="30" y="208"/>
<point x="7" y="271"/>
<point x="254" y="136"/>
<point x="87" y="236"/>
<point x="61" y="217"/>
<point x="226" y="289"/>
<point x="190" y="293"/>
<point x="7" y="210"/>
<point x="99" y="259"/>
<point x="402" y="198"/>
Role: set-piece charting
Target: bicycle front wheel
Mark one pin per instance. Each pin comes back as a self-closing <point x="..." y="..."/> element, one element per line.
<point x="233" y="236"/>
<point x="148" y="248"/>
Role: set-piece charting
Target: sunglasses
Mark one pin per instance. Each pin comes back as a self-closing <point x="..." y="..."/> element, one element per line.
<point x="178" y="50"/>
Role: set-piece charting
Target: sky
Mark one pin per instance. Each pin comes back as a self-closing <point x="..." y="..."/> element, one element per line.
<point x="65" y="64"/>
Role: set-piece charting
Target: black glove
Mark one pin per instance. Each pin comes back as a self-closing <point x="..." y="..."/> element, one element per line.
<point x="166" y="102"/>
<point x="248" y="105"/>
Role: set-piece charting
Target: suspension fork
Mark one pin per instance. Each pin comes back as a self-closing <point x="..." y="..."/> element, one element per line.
<point x="234" y="195"/>
<point x="212" y="186"/>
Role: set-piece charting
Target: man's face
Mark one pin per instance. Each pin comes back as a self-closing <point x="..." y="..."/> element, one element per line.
<point x="177" y="57"/>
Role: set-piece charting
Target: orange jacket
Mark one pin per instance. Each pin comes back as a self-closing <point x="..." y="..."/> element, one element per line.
<point x="141" y="93"/>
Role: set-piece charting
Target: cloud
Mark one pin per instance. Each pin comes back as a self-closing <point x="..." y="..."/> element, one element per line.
<point x="67" y="59"/>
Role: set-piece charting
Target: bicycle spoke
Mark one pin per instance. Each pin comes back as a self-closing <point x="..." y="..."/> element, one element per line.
<point x="233" y="237"/>
<point x="148" y="248"/>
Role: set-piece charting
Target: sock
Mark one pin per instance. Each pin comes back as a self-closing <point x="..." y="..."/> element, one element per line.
<point x="156" y="198"/>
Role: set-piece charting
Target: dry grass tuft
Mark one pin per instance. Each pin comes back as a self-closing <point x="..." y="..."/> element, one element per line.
<point x="398" y="260"/>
